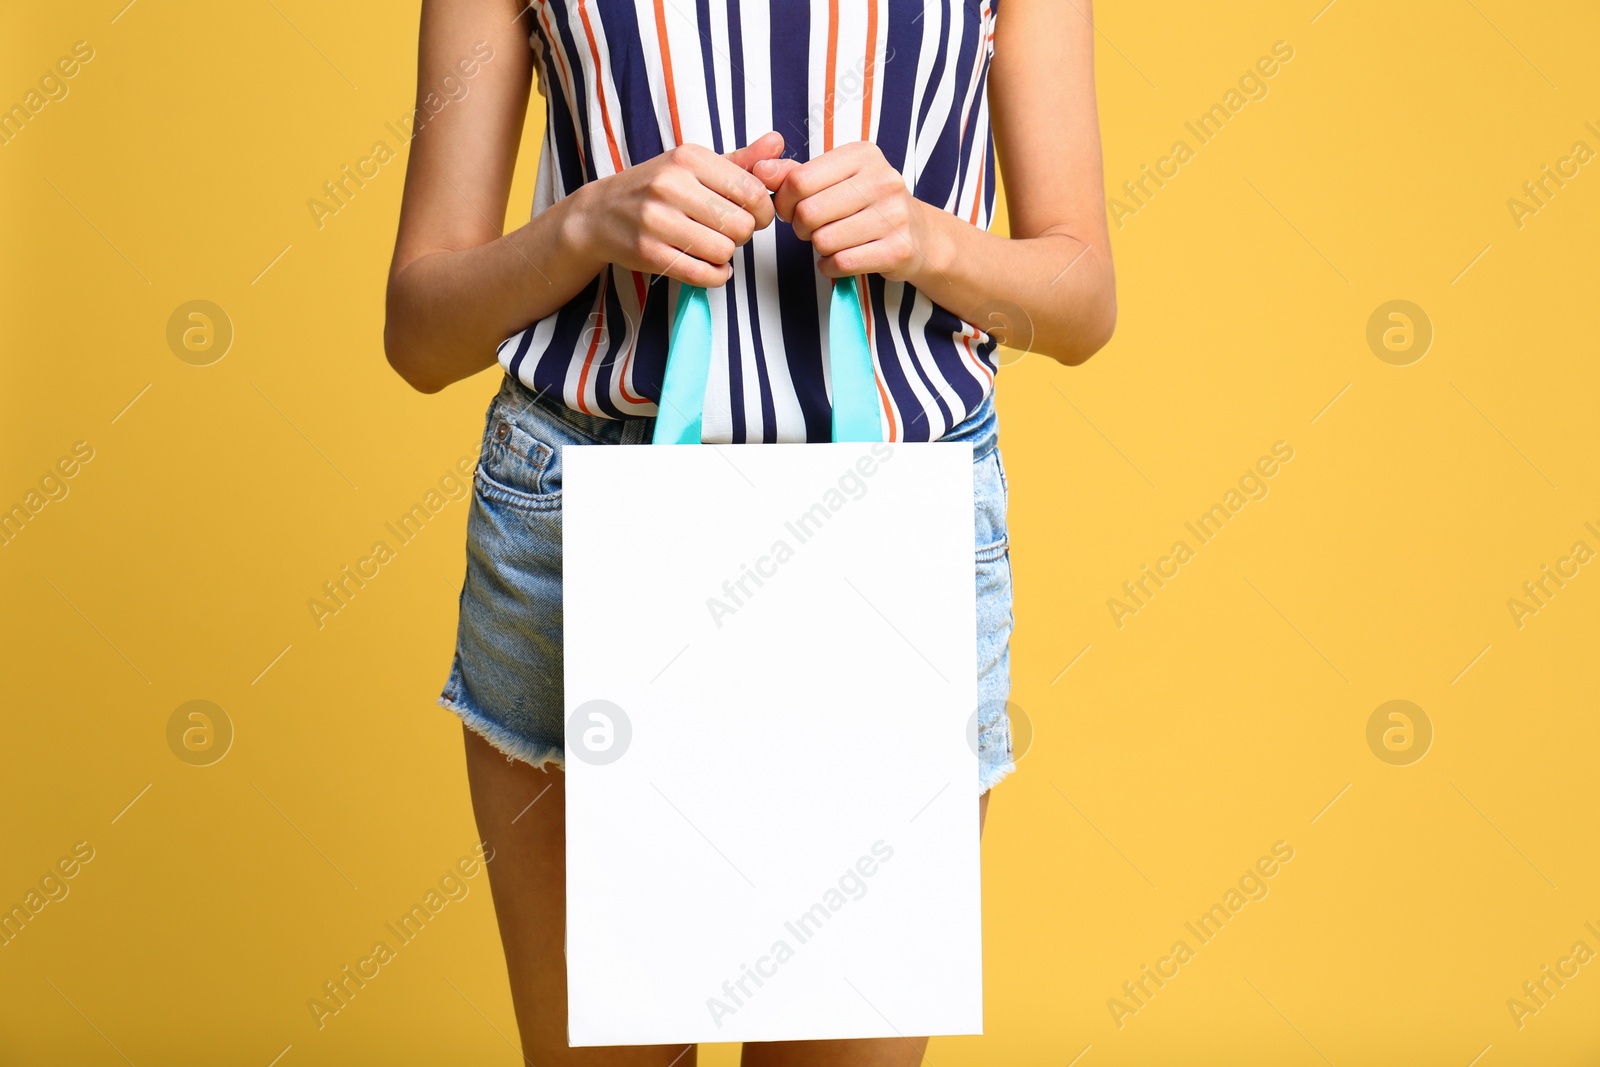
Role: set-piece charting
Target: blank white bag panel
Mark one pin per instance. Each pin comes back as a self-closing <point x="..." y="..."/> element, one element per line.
<point x="772" y="825"/>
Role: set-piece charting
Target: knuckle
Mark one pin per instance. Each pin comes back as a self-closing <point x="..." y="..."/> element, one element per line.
<point x="652" y="213"/>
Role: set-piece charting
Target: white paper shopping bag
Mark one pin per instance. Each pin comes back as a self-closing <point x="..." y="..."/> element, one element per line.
<point x="771" y="785"/>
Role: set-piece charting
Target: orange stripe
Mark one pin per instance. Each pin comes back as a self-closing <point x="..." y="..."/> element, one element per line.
<point x="977" y="196"/>
<point x="872" y="55"/>
<point x="633" y="344"/>
<point x="864" y="295"/>
<point x="832" y="65"/>
<point x="666" y="71"/>
<point x="566" y="76"/>
<point x="600" y="86"/>
<point x="594" y="344"/>
<point x="977" y="193"/>
<point x="966" y="340"/>
<point x="977" y="70"/>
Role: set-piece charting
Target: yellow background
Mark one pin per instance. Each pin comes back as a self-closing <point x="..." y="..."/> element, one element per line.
<point x="1228" y="714"/>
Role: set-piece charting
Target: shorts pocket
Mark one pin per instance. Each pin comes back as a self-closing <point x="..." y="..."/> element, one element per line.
<point x="516" y="467"/>
<point x="989" y="508"/>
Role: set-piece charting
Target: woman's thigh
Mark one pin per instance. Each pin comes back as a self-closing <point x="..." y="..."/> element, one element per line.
<point x="521" y="814"/>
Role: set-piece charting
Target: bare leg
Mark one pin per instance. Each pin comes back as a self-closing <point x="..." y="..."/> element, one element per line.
<point x="521" y="813"/>
<point x="874" y="1052"/>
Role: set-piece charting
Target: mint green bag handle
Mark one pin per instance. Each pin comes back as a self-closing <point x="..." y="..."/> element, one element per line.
<point x="683" y="387"/>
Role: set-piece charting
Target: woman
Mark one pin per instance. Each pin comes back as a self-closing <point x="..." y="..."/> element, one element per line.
<point x="755" y="149"/>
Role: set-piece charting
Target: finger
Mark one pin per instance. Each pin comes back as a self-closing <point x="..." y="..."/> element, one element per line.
<point x="774" y="171"/>
<point x="885" y="257"/>
<point x="731" y="182"/>
<point x="665" y="259"/>
<point x="767" y="146"/>
<point x="812" y="177"/>
<point x="830" y="205"/>
<point x="703" y="242"/>
<point x="717" y="213"/>
<point x="861" y="228"/>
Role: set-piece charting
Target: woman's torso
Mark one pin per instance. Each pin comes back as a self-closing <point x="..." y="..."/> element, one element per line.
<point x="626" y="79"/>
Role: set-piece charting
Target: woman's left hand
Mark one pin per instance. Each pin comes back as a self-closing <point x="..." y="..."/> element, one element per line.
<point x="855" y="210"/>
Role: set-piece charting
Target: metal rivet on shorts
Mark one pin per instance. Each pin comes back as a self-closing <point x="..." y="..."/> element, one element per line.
<point x="501" y="432"/>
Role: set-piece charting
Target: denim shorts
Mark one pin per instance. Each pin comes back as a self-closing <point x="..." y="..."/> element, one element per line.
<point x="506" y="680"/>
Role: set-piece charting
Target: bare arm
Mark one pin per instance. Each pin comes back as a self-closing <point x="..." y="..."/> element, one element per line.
<point x="1056" y="265"/>
<point x="457" y="286"/>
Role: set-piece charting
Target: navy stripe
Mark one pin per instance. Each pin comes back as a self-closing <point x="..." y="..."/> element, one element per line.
<point x="567" y="340"/>
<point x="942" y="334"/>
<point x="708" y="64"/>
<point x="650" y="354"/>
<point x="607" y="356"/>
<point x="970" y="136"/>
<point x="736" y="89"/>
<point x="890" y="371"/>
<point x="935" y="75"/>
<point x="741" y="136"/>
<point x="898" y="78"/>
<point x="939" y="176"/>
<point x="631" y="76"/>
<point x="561" y="129"/>
<point x="988" y="175"/>
<point x="523" y="344"/>
<point x="797" y="301"/>
<point x="735" y="364"/>
<point x="578" y="62"/>
<point x="908" y="303"/>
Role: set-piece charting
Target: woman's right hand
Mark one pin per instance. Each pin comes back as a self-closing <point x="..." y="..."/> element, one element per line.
<point x="681" y="214"/>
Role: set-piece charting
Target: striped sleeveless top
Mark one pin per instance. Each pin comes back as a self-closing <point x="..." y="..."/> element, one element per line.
<point x="624" y="80"/>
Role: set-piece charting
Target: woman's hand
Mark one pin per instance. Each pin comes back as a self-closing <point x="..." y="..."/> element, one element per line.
<point x="855" y="210"/>
<point x="681" y="214"/>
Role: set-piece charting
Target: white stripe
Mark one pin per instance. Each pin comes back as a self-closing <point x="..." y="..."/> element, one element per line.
<point x="544" y="185"/>
<point x="757" y="121"/>
<point x="644" y="12"/>
<point x="790" y="423"/>
<point x="943" y="92"/>
<point x="627" y="356"/>
<point x="547" y="23"/>
<point x="542" y="330"/>
<point x="961" y="196"/>
<point x="894" y="299"/>
<point x="603" y="162"/>
<point x="817" y="102"/>
<point x="848" y="67"/>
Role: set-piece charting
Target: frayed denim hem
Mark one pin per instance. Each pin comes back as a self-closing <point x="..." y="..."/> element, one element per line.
<point x="540" y="757"/>
<point x="989" y="777"/>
